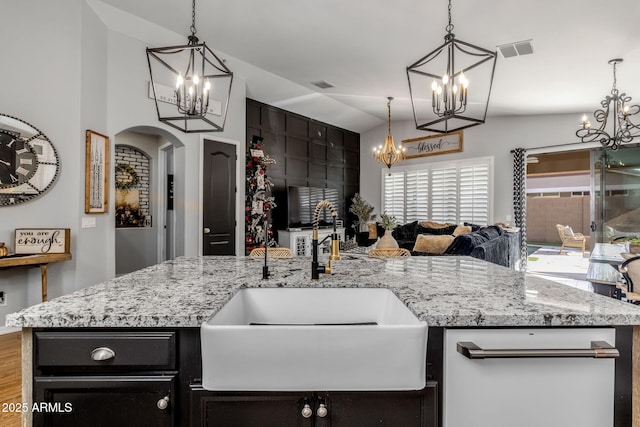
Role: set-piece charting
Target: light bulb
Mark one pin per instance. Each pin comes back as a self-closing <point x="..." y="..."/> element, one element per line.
<point x="207" y="85"/>
<point x="455" y="89"/>
<point x="434" y="86"/>
<point x="439" y="90"/>
<point x="196" y="79"/>
<point x="179" y="81"/>
<point x="584" y="118"/>
<point x="463" y="80"/>
<point x="445" y="79"/>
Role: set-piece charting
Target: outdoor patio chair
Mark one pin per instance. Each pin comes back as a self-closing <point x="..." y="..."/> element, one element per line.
<point x="630" y="270"/>
<point x="570" y="239"/>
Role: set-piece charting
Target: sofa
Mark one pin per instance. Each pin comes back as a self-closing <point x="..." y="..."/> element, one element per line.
<point x="490" y="243"/>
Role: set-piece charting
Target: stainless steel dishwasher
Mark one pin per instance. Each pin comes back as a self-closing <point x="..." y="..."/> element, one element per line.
<point x="552" y="377"/>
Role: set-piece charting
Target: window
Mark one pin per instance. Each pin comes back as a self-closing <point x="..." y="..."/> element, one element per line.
<point x="453" y="192"/>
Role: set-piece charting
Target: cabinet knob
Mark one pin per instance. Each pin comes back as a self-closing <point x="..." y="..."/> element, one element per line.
<point x="101" y="354"/>
<point x="207" y="230"/>
<point x="306" y="411"/>
<point x="163" y="403"/>
<point x="322" y="410"/>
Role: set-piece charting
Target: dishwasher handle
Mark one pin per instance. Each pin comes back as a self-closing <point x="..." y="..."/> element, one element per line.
<point x="598" y="350"/>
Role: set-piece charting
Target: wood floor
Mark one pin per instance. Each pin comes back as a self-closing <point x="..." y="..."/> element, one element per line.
<point x="10" y="378"/>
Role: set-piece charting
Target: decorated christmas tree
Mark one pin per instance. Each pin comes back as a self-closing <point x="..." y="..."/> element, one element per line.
<point x="259" y="201"/>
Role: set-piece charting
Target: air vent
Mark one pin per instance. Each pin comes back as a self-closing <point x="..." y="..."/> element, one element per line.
<point x="323" y="84"/>
<point x="510" y="50"/>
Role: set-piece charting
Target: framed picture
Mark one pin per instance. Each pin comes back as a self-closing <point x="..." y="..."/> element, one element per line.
<point x="433" y="145"/>
<point x="96" y="187"/>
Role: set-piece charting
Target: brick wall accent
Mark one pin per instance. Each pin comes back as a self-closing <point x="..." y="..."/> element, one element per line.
<point x="142" y="165"/>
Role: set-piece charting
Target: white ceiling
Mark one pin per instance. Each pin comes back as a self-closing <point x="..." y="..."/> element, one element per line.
<point x="364" y="46"/>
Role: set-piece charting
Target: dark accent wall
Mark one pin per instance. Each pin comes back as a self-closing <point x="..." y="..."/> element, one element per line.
<point x="308" y="153"/>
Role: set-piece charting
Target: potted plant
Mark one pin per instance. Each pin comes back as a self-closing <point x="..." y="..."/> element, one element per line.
<point x="389" y="222"/>
<point x="364" y="211"/>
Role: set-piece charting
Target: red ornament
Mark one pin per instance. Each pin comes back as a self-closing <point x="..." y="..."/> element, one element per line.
<point x="261" y="171"/>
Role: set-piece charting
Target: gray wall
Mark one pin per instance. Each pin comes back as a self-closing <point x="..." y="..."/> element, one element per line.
<point x="81" y="65"/>
<point x="496" y="138"/>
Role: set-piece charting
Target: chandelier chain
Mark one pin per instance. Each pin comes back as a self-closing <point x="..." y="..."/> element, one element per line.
<point x="449" y="28"/>
<point x="389" y="115"/>
<point x="193" y="18"/>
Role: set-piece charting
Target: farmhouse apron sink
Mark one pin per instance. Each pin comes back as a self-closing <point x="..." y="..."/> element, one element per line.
<point x="274" y="339"/>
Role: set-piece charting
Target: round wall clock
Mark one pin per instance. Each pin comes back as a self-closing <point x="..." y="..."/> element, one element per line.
<point x="29" y="163"/>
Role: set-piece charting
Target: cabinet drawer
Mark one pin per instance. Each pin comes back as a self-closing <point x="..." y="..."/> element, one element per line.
<point x="105" y="350"/>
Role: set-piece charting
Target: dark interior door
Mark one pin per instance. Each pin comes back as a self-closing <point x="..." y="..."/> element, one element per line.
<point x="219" y="198"/>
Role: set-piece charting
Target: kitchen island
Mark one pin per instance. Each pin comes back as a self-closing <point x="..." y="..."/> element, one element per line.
<point x="446" y="292"/>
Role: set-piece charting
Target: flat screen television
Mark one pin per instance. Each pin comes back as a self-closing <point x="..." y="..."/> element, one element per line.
<point x="301" y="204"/>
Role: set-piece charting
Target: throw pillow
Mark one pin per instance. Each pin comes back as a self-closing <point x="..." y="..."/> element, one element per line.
<point x="432" y="224"/>
<point x="432" y="244"/>
<point x="568" y="231"/>
<point x="462" y="229"/>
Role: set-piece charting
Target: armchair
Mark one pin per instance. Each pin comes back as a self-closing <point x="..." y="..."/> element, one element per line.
<point x="570" y="239"/>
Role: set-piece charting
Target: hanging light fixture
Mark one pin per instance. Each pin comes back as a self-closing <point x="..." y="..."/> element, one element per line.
<point x="616" y="110"/>
<point x="388" y="154"/>
<point x="191" y="86"/>
<point x="450" y="87"/>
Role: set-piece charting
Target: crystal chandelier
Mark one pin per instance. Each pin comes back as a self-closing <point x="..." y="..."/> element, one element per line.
<point x="615" y="109"/>
<point x="388" y="154"/>
<point x="446" y="71"/>
<point x="191" y="86"/>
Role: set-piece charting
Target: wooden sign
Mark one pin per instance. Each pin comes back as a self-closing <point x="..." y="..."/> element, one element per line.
<point x="43" y="240"/>
<point x="434" y="144"/>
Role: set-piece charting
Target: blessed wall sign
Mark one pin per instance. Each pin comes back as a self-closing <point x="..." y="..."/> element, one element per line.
<point x="433" y="145"/>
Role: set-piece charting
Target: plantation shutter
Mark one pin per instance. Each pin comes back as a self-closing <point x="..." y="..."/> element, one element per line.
<point x="417" y="195"/>
<point x="444" y="195"/>
<point x="393" y="197"/>
<point x="455" y="192"/>
<point x="474" y="194"/>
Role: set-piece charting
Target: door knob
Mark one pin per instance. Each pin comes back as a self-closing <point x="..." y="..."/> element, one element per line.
<point x="306" y="411"/>
<point x="163" y="403"/>
<point x="322" y="410"/>
<point x="207" y="230"/>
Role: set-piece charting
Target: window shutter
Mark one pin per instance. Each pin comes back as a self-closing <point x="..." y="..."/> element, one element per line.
<point x="454" y="192"/>
<point x="393" y="197"/>
<point x="417" y="195"/>
<point x="474" y="194"/>
<point x="444" y="195"/>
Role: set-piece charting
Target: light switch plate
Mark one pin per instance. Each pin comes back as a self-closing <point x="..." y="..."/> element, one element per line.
<point x="88" y="222"/>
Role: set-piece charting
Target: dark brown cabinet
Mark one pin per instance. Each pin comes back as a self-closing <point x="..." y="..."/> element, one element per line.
<point x="315" y="409"/>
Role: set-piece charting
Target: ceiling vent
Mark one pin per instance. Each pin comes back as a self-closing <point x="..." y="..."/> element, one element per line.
<point x="323" y="84"/>
<point x="509" y="50"/>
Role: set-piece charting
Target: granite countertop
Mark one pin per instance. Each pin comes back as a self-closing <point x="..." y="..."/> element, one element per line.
<point x="444" y="291"/>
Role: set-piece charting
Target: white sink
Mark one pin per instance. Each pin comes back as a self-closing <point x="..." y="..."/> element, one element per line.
<point x="314" y="339"/>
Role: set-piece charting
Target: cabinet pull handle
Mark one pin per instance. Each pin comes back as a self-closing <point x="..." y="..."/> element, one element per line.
<point x="306" y="411"/>
<point x="101" y="354"/>
<point x="598" y="350"/>
<point x="163" y="403"/>
<point x="322" y="410"/>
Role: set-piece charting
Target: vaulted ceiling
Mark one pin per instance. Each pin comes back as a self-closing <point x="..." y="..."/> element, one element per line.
<point x="363" y="47"/>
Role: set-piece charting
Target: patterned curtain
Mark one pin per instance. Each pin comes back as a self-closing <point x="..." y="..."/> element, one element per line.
<point x="520" y="200"/>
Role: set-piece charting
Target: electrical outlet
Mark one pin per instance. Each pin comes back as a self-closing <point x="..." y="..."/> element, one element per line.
<point x="3" y="298"/>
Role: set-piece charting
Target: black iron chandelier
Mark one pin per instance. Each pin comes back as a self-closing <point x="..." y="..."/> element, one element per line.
<point x="388" y="154"/>
<point x="615" y="109"/>
<point x="191" y="86"/>
<point x="448" y="71"/>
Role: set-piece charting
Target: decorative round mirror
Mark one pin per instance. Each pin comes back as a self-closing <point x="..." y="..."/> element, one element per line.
<point x="29" y="163"/>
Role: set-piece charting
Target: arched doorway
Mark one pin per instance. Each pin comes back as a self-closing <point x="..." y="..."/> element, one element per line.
<point x="147" y="222"/>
